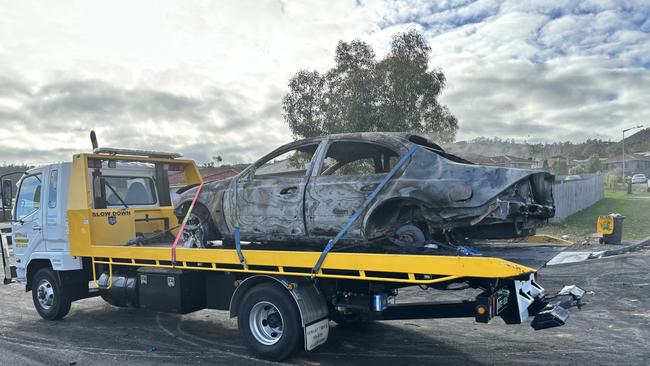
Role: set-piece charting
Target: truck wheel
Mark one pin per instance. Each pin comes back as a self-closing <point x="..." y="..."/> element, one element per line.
<point x="268" y="319"/>
<point x="50" y="298"/>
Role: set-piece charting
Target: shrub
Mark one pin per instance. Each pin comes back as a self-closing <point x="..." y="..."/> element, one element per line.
<point x="610" y="181"/>
<point x="577" y="170"/>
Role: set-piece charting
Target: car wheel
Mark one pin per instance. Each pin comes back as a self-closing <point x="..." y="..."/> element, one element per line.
<point x="198" y="229"/>
<point x="50" y="298"/>
<point x="408" y="236"/>
<point x="268" y="319"/>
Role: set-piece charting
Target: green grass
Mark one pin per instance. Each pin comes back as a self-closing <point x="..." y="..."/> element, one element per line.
<point x="635" y="208"/>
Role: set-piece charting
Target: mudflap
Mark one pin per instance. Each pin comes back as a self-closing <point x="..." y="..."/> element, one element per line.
<point x="9" y="269"/>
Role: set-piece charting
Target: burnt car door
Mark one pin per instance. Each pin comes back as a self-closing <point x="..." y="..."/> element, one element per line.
<point x="270" y="196"/>
<point x="349" y="172"/>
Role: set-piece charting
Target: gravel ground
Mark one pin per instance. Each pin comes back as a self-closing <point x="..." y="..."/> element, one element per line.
<point x="613" y="327"/>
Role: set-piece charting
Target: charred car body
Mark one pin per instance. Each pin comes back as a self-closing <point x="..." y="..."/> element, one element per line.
<point x="305" y="191"/>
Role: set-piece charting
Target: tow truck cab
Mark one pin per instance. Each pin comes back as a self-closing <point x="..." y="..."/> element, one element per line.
<point x="40" y="227"/>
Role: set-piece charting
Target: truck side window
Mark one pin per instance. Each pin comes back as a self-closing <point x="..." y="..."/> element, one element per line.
<point x="51" y="195"/>
<point x="28" y="199"/>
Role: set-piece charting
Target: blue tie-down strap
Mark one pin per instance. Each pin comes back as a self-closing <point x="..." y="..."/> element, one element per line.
<point x="468" y="251"/>
<point x="357" y="213"/>
<point x="236" y="233"/>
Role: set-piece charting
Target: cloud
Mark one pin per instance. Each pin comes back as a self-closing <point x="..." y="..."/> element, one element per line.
<point x="208" y="80"/>
<point x="218" y="123"/>
<point x="548" y="70"/>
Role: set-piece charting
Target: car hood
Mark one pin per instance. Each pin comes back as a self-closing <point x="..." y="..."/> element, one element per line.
<point x="209" y="192"/>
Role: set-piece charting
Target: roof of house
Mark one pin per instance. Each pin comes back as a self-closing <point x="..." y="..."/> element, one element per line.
<point x="628" y="157"/>
<point x="208" y="174"/>
<point x="584" y="161"/>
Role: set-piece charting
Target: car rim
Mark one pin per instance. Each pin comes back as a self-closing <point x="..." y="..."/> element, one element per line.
<point x="45" y="294"/>
<point x="193" y="233"/>
<point x="266" y="323"/>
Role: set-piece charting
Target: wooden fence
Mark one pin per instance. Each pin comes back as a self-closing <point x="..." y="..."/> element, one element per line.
<point x="573" y="196"/>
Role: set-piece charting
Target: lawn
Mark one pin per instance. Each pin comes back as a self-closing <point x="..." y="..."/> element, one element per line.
<point x="635" y="208"/>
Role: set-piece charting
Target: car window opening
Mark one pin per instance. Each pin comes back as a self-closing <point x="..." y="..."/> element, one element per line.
<point x="293" y="163"/>
<point x="358" y="158"/>
<point x="421" y="141"/>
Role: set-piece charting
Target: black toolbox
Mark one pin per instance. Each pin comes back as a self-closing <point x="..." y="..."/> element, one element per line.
<point x="171" y="290"/>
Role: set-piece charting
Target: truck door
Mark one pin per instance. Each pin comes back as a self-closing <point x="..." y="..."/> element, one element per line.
<point x="28" y="215"/>
<point x="55" y="202"/>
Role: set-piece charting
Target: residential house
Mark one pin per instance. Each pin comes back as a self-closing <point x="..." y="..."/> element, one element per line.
<point x="634" y="164"/>
<point x="208" y="174"/>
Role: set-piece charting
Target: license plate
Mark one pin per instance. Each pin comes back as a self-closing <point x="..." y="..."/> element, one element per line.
<point x="316" y="334"/>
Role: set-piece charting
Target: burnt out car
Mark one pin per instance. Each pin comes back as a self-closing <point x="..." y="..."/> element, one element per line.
<point x="305" y="192"/>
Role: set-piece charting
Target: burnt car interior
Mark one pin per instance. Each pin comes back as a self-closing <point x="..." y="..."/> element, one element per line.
<point x="348" y="157"/>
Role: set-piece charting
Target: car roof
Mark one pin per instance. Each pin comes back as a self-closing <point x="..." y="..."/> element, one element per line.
<point x="399" y="141"/>
<point x="392" y="138"/>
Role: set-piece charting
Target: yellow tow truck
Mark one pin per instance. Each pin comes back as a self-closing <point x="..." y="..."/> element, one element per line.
<point x="73" y="236"/>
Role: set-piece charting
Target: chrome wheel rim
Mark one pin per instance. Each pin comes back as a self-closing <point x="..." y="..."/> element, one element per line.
<point x="45" y="294"/>
<point x="266" y="323"/>
<point x="193" y="233"/>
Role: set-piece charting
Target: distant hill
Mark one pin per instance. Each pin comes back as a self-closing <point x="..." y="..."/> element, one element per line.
<point x="498" y="146"/>
<point x="638" y="142"/>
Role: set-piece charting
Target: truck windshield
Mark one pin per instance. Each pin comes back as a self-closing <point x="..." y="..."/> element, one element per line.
<point x="130" y="191"/>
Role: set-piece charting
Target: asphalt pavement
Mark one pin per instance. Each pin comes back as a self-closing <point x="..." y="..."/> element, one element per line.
<point x="613" y="327"/>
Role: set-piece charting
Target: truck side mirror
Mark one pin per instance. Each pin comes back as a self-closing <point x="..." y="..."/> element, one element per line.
<point x="7" y="192"/>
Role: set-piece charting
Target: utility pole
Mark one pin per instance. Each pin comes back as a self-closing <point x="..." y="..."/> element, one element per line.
<point x="623" y="143"/>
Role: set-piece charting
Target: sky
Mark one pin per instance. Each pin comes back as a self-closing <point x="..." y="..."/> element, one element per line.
<point x="206" y="78"/>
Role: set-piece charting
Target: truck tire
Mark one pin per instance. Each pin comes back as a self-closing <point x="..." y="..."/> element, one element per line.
<point x="50" y="298"/>
<point x="269" y="320"/>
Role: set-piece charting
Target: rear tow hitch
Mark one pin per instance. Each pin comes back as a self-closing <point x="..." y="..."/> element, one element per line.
<point x="556" y="310"/>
